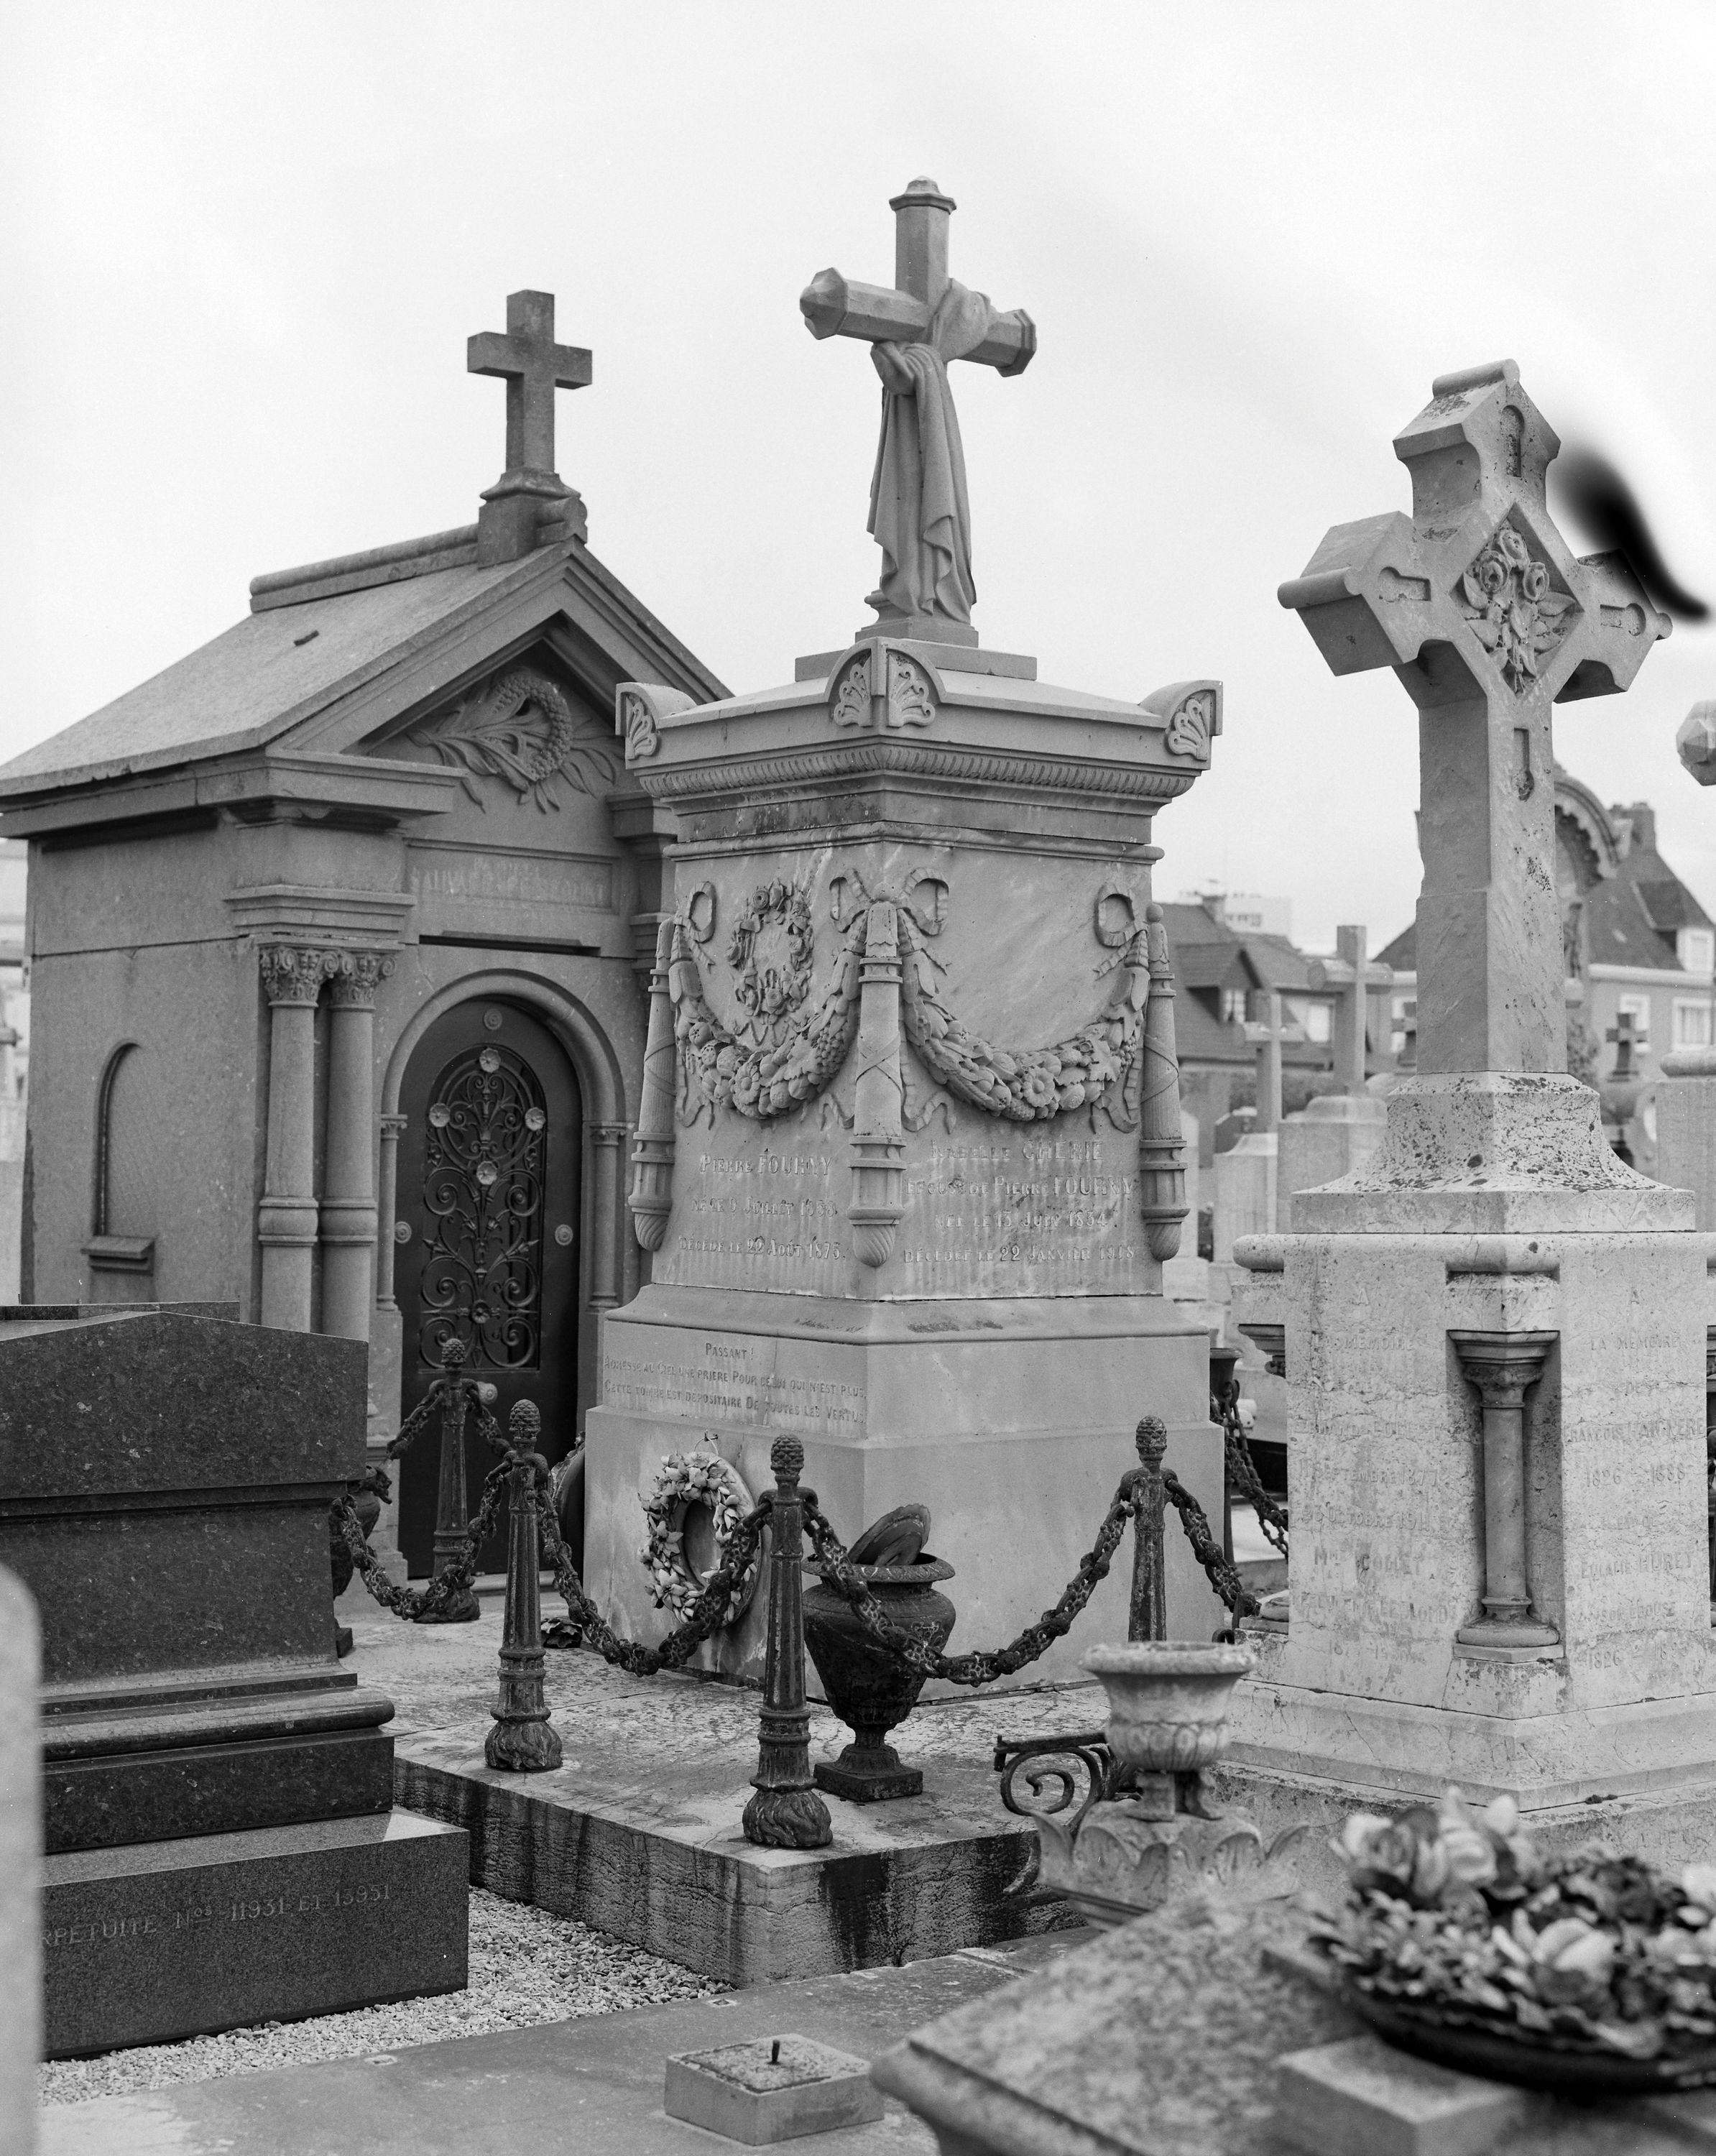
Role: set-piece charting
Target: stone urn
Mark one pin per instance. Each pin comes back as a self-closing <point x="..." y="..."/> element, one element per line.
<point x="870" y="1691"/>
<point x="1168" y="1713"/>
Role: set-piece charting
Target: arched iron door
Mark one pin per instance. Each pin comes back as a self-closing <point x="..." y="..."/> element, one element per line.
<point x="488" y="1225"/>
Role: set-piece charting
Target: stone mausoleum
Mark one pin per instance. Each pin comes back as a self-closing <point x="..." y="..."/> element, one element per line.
<point x="340" y="927"/>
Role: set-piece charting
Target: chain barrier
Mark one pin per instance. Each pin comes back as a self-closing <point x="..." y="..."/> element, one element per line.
<point x="977" y="1667"/>
<point x="1242" y="1468"/>
<point x="416" y="1604"/>
<point x="1222" y="1577"/>
<point x="709" y="1612"/>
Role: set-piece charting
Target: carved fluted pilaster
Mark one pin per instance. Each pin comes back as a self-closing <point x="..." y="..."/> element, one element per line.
<point x="651" y="1198"/>
<point x="348" y="1208"/>
<point x="1161" y="1151"/>
<point x="878" y="1199"/>
<point x="607" y="1140"/>
<point x="287" y="1218"/>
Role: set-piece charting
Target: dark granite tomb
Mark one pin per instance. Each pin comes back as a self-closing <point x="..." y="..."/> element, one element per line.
<point x="165" y="1481"/>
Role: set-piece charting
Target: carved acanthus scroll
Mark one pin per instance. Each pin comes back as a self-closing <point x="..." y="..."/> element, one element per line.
<point x="878" y="687"/>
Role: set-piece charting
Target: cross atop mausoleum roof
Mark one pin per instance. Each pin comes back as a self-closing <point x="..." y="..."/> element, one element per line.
<point x="533" y="366"/>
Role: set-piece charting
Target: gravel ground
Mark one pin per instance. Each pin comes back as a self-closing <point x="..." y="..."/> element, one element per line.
<point x="526" y="1967"/>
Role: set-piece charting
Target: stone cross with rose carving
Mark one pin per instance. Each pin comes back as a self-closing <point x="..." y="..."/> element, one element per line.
<point x="1487" y="620"/>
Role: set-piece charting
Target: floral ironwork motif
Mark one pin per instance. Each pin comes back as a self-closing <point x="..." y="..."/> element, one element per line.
<point x="518" y="727"/>
<point x="484" y="1167"/>
<point x="1514" y="610"/>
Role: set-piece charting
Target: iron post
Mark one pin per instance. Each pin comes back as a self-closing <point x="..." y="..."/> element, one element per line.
<point x="1148" y="1618"/>
<point x="786" y="1812"/>
<point x="452" y="1524"/>
<point x="523" y="1741"/>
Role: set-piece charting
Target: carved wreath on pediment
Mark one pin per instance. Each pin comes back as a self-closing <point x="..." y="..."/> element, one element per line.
<point x="517" y="727"/>
<point x="1099" y="1065"/>
<point x="769" y="951"/>
<point x="1515" y="611"/>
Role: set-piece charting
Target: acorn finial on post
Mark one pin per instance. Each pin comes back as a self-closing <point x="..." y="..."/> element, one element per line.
<point x="522" y="1740"/>
<point x="786" y="1812"/>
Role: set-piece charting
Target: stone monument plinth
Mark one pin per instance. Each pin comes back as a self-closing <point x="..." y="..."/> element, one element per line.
<point x="217" y="1790"/>
<point x="908" y="1160"/>
<point x="1495" y="1330"/>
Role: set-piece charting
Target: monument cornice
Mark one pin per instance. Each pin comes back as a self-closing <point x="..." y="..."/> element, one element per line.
<point x="739" y="775"/>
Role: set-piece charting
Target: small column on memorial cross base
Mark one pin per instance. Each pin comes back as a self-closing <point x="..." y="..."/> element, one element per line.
<point x="1487" y="620"/>
<point x="530" y="505"/>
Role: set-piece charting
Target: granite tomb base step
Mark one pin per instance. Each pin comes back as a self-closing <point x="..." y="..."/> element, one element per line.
<point x="166" y="1939"/>
<point x="655" y="1855"/>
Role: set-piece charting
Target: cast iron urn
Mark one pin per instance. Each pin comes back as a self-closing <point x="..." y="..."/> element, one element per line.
<point x="868" y="1688"/>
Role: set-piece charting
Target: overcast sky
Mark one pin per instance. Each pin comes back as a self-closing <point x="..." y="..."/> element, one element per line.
<point x="243" y="246"/>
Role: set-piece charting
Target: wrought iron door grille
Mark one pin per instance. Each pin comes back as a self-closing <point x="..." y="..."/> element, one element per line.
<point x="484" y="1174"/>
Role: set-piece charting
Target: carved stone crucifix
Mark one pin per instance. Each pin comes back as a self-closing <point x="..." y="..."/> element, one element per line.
<point x="1354" y="982"/>
<point x="1487" y="620"/>
<point x="1269" y="1036"/>
<point x="533" y="366"/>
<point x="918" y="510"/>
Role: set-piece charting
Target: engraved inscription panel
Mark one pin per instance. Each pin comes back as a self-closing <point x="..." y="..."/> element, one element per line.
<point x="718" y="1378"/>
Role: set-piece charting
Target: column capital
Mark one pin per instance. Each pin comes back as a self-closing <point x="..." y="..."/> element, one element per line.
<point x="355" y="976"/>
<point x="392" y="1127"/>
<point x="293" y="972"/>
<point x="1503" y="1365"/>
<point x="609" y="1134"/>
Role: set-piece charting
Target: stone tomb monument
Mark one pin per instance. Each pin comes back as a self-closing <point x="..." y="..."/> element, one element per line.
<point x="340" y="932"/>
<point x="1495" y="1331"/>
<point x="221" y="1844"/>
<point x="909" y="1150"/>
<point x="1338" y="1132"/>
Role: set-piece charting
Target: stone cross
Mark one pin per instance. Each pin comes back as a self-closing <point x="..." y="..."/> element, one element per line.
<point x="1623" y="1037"/>
<point x="533" y="366"/>
<point x="918" y="509"/>
<point x="1268" y="1038"/>
<point x="1354" y="982"/>
<point x="1486" y="618"/>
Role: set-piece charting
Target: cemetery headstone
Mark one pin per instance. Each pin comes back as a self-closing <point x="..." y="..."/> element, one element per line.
<point x="1495" y="1333"/>
<point x="1338" y="1132"/>
<point x="909" y="1154"/>
<point x="1246" y="1175"/>
<point x="217" y="1790"/>
<point x="20" y="1867"/>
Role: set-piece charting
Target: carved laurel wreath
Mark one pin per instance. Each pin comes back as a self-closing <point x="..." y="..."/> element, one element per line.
<point x="518" y="727"/>
<point x="1102" y="1060"/>
<point x="686" y="1480"/>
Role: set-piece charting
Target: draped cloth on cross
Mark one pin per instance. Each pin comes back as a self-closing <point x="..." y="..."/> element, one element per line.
<point x="919" y="513"/>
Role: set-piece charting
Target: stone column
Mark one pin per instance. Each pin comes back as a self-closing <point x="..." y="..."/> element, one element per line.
<point x="1502" y="1367"/>
<point x="20" y="1866"/>
<point x="607" y="1140"/>
<point x="348" y="1214"/>
<point x="392" y="1128"/>
<point x="287" y="1220"/>
<point x="1686" y="1126"/>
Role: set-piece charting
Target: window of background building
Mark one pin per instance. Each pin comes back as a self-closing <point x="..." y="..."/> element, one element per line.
<point x="1697" y="953"/>
<point x="1233" y="1006"/>
<point x="1317" y="1022"/>
<point x="1692" y="1023"/>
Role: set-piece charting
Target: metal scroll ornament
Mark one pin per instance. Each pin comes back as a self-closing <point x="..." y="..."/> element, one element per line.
<point x="484" y="1162"/>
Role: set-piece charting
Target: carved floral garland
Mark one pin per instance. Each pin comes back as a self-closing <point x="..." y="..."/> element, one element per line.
<point x="1025" y="1085"/>
<point x="686" y="1480"/>
<point x="769" y="1080"/>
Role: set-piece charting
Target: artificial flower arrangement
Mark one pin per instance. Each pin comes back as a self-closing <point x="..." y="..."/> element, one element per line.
<point x="1465" y="1939"/>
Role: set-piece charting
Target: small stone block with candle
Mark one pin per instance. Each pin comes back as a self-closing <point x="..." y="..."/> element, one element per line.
<point x="775" y="2089"/>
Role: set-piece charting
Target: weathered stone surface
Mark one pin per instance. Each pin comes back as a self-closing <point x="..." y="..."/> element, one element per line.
<point x="169" y="1939"/>
<point x="774" y="2088"/>
<point x="593" y="2083"/>
<point x="988" y="1412"/>
<point x="20" y="1869"/>
<point x="1361" y="2097"/>
<point x="1685" y="1128"/>
<point x="1246" y="1177"/>
<point x="1338" y="1135"/>
<point x="1371" y="1684"/>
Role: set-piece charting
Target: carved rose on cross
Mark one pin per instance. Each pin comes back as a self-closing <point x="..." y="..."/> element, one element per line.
<point x="1513" y="612"/>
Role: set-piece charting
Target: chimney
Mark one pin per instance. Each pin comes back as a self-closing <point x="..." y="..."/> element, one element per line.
<point x="1636" y="825"/>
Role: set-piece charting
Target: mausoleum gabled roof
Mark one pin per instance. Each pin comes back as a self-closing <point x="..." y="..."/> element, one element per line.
<point x="312" y="669"/>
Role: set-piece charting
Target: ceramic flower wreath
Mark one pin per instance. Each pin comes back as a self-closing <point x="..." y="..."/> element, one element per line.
<point x="1458" y="1918"/>
<point x="683" y="1479"/>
